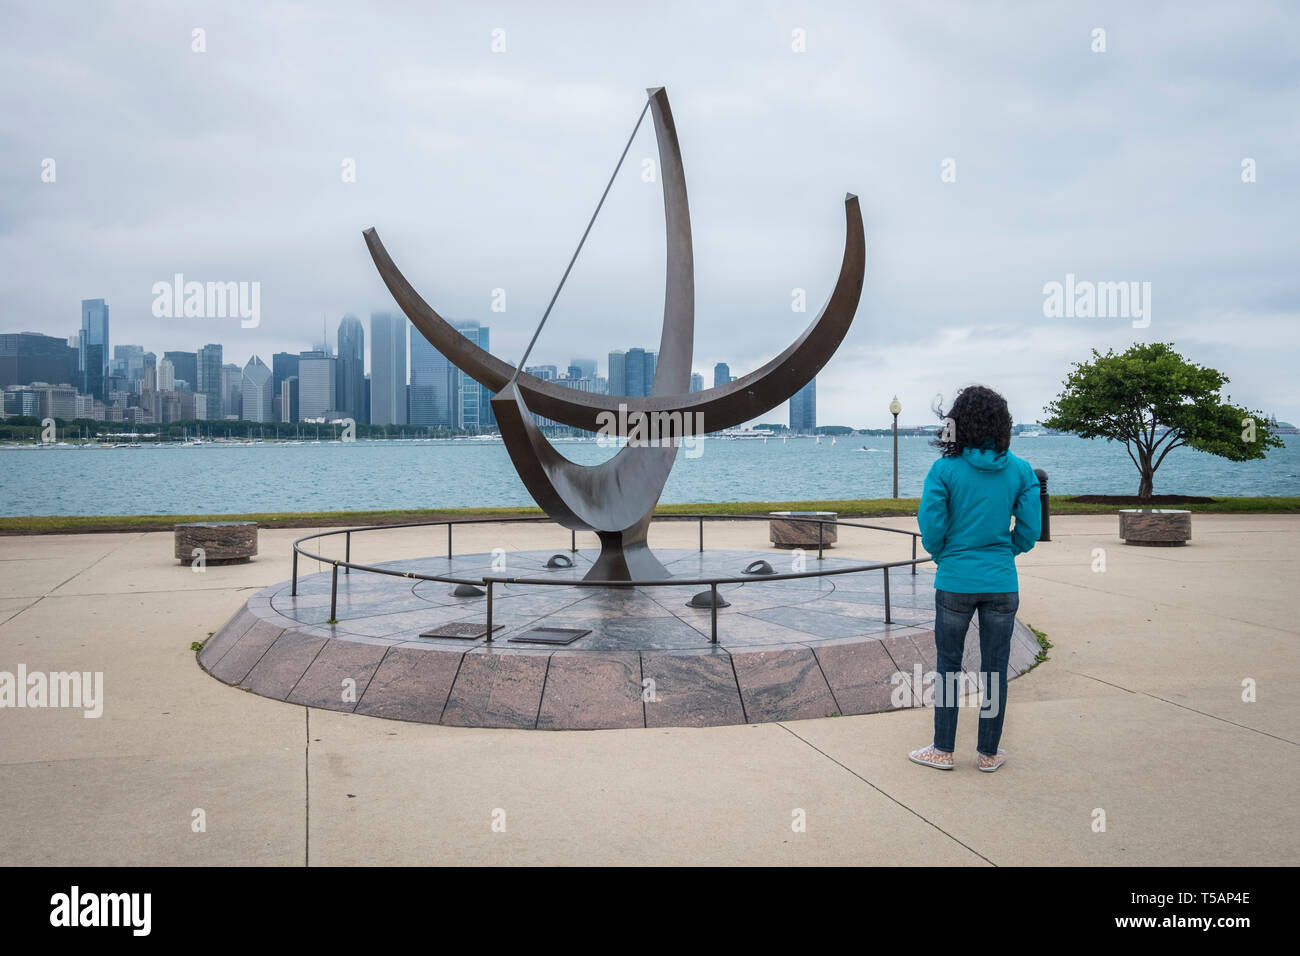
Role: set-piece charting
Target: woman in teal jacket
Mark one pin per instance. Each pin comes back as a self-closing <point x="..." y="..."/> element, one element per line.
<point x="979" y="509"/>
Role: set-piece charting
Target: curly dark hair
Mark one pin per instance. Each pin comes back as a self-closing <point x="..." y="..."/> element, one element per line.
<point x="980" y="419"/>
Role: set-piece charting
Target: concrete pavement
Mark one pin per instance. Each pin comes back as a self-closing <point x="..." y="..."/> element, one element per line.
<point x="1137" y="716"/>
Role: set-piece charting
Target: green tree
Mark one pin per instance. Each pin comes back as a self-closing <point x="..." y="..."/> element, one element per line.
<point x="1130" y="397"/>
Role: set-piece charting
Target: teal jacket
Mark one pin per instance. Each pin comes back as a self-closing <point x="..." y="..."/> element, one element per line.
<point x="967" y="507"/>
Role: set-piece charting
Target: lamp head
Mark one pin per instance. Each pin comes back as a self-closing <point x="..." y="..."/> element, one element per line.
<point x="895" y="406"/>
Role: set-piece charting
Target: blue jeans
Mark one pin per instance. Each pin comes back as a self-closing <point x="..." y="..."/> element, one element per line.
<point x="997" y="617"/>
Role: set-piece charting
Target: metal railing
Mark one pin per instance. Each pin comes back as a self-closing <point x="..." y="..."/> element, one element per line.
<point x="489" y="581"/>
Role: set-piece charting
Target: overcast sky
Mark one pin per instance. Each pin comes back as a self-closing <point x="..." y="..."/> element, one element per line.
<point x="480" y="169"/>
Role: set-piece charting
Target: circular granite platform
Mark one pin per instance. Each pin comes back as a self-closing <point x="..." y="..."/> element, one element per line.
<point x="786" y="649"/>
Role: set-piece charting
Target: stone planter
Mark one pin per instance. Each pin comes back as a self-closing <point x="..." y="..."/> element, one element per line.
<point x="218" y="542"/>
<point x="784" y="533"/>
<point x="1155" y="527"/>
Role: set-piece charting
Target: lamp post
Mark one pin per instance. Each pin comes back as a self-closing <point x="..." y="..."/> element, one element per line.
<point x="894" y="408"/>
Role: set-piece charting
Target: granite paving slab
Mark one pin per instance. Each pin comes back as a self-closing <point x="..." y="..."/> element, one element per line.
<point x="278" y="671"/>
<point x="695" y="689"/>
<point x="592" y="691"/>
<point x="782" y="685"/>
<point x="411" y="685"/>
<point x="324" y="684"/>
<point x="497" y="689"/>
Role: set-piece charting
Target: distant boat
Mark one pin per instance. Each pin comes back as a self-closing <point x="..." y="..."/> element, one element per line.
<point x="833" y="441"/>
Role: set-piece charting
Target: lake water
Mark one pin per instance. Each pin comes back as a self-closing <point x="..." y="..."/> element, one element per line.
<point x="217" y="479"/>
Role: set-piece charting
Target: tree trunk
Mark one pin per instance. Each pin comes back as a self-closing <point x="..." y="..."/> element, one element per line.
<point x="1144" y="488"/>
<point x="1147" y="472"/>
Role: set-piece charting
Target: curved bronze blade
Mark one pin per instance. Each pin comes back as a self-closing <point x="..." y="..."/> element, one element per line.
<point x="723" y="406"/>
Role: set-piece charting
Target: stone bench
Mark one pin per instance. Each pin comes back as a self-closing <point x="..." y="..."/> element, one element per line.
<point x="217" y="542"/>
<point x="1155" y="527"/>
<point x="785" y="533"/>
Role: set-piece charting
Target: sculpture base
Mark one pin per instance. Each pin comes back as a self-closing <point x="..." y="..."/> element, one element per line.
<point x="624" y="560"/>
<point x="787" y="650"/>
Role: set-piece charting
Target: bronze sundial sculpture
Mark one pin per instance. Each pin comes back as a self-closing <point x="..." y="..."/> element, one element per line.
<point x="616" y="498"/>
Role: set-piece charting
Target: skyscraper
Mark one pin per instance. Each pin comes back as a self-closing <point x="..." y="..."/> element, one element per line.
<point x="697" y="382"/>
<point x="317" y="378"/>
<point x="803" y="409"/>
<point x="94" y="331"/>
<point x="435" y="385"/>
<point x="208" y="379"/>
<point x="721" y="374"/>
<point x="475" y="410"/>
<point x="618" y="372"/>
<point x="128" y="363"/>
<point x="184" y="367"/>
<point x="286" y="399"/>
<point x="258" y="385"/>
<point x="27" y="357"/>
<point x="283" y="365"/>
<point x="351" y="395"/>
<point x="587" y="365"/>
<point x="387" y="370"/>
<point x="232" y="391"/>
<point x="640" y="372"/>
<point x="166" y="376"/>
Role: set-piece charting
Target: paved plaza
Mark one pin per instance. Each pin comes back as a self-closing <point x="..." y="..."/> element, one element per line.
<point x="1137" y="718"/>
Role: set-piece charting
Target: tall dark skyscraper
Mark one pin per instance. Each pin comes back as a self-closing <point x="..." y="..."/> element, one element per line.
<point x="27" y="357"/>
<point x="208" y="379"/>
<point x="95" y="381"/>
<point x="803" y="409"/>
<point x="721" y="374"/>
<point x="283" y="365"/>
<point x="351" y="384"/>
<point x="184" y="365"/>
<point x="94" y="331"/>
<point x="640" y="372"/>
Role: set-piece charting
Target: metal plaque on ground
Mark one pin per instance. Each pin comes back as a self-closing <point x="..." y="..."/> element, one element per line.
<point x="461" y="630"/>
<point x="550" y="635"/>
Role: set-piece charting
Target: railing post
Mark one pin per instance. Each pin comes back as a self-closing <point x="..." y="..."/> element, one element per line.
<point x="701" y="535"/>
<point x="713" y="612"/>
<point x="573" y="540"/>
<point x="293" y="592"/>
<point x="820" y="526"/>
<point x="1046" y="533"/>
<point x="334" y="594"/>
<point x="448" y="540"/>
<point x="347" y="551"/>
<point x="913" y="554"/>
<point x="489" y="612"/>
<point x="888" y="619"/>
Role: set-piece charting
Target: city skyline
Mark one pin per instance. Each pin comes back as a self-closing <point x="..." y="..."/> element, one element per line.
<point x="429" y="378"/>
<point x="1059" y="166"/>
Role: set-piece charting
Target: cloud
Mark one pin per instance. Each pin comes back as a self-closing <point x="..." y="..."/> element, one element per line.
<point x="480" y="171"/>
